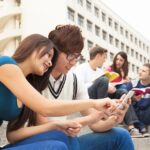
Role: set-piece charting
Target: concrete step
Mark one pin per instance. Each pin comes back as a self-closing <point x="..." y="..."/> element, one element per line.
<point x="141" y="143"/>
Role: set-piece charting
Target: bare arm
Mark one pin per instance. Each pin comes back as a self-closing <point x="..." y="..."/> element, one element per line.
<point x="43" y="124"/>
<point x="12" y="77"/>
<point x="26" y="132"/>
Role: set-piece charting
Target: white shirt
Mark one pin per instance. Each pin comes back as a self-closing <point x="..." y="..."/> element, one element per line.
<point x="87" y="74"/>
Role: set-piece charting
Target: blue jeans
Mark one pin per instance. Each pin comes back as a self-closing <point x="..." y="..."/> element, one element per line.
<point x="43" y="145"/>
<point x="51" y="136"/>
<point x="99" y="88"/>
<point x="115" y="139"/>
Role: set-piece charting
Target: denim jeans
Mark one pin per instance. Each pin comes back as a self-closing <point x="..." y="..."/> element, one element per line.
<point x="114" y="139"/>
<point x="99" y="88"/>
<point x="42" y="145"/>
<point x="70" y="143"/>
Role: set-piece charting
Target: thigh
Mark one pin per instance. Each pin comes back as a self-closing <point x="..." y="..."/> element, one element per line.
<point x="115" y="139"/>
<point x="51" y="135"/>
<point x="43" y="145"/>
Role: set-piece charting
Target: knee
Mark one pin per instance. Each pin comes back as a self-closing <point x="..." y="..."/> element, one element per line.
<point x="103" y="81"/>
<point x="122" y="91"/>
<point x="56" y="145"/>
<point x="121" y="133"/>
<point x="61" y="146"/>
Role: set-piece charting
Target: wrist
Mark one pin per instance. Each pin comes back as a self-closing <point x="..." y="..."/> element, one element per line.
<point x="54" y="125"/>
<point x="94" y="103"/>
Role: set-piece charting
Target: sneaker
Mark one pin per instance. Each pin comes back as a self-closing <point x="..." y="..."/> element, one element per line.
<point x="135" y="133"/>
<point x="144" y="132"/>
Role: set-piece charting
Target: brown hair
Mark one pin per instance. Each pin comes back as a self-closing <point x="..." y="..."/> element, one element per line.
<point x="148" y="66"/>
<point x="125" y="66"/>
<point x="30" y="44"/>
<point x="97" y="50"/>
<point x="67" y="38"/>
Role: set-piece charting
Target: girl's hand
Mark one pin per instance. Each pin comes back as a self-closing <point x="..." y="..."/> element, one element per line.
<point x="69" y="127"/>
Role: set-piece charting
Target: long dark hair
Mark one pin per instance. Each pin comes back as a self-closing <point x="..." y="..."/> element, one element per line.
<point x="125" y="66"/>
<point x="30" y="44"/>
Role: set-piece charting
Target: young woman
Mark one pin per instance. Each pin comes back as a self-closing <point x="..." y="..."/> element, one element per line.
<point x="121" y="66"/>
<point x="28" y="68"/>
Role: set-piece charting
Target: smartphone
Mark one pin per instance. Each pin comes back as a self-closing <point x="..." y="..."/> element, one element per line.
<point x="126" y="99"/>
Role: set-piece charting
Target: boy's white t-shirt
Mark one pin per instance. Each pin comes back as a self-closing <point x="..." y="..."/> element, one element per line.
<point x="87" y="74"/>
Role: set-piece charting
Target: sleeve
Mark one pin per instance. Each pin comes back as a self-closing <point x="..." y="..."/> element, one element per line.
<point x="82" y="91"/>
<point x="108" y="69"/>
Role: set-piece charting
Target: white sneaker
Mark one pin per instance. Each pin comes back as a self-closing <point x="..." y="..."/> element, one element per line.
<point x="135" y="133"/>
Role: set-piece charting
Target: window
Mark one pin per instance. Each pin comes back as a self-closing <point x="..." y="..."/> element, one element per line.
<point x="71" y="14"/>
<point x="143" y="46"/>
<point x="121" y="30"/>
<point x="122" y="46"/>
<point x="133" y="67"/>
<point x="18" y="22"/>
<point x="132" y="52"/>
<point x="127" y="34"/>
<point x="88" y="6"/>
<point x="144" y="60"/>
<point x="127" y="49"/>
<point x="80" y="2"/>
<point x="110" y="39"/>
<point x="89" y="44"/>
<point x="135" y="40"/>
<point x="116" y="26"/>
<point x="117" y="43"/>
<point x="141" y="58"/>
<point x="137" y="69"/>
<point x="131" y="37"/>
<point x="96" y="11"/>
<point x="80" y="20"/>
<point x="110" y="22"/>
<point x="18" y="2"/>
<point x="136" y="55"/>
<point x="111" y="56"/>
<point x="17" y="41"/>
<point x="147" y="49"/>
<point x="103" y="17"/>
<point x="97" y="30"/>
<point x="89" y="25"/>
<point x="140" y="44"/>
<point x="104" y="35"/>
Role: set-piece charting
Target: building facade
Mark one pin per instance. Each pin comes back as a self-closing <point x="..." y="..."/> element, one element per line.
<point x="99" y="25"/>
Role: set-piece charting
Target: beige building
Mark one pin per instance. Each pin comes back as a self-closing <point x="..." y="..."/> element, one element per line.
<point x="99" y="24"/>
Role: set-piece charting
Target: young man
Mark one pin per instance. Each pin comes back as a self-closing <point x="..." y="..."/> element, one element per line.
<point x="140" y="110"/>
<point x="63" y="84"/>
<point x="91" y="74"/>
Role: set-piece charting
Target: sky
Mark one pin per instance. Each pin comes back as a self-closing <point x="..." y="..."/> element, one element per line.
<point x="135" y="12"/>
